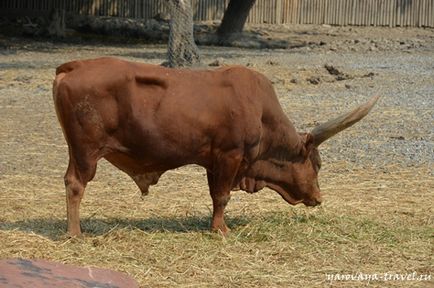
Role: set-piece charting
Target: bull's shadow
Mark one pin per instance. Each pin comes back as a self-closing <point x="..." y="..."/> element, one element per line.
<point x="55" y="229"/>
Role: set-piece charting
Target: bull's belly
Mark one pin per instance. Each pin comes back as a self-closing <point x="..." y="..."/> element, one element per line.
<point x="141" y="164"/>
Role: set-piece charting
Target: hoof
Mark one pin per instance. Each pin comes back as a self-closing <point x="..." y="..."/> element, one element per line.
<point x="223" y="230"/>
<point x="73" y="234"/>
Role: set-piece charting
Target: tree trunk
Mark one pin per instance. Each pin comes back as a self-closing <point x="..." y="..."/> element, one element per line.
<point x="234" y="18"/>
<point x="56" y="25"/>
<point x="182" y="50"/>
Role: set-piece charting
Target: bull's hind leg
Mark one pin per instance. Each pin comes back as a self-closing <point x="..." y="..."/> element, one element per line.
<point x="221" y="181"/>
<point x="80" y="171"/>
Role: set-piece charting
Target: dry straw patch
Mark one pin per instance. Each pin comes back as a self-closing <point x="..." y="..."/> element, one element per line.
<point x="369" y="222"/>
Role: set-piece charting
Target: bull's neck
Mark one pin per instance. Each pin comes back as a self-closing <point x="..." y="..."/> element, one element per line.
<point x="281" y="147"/>
<point x="281" y="142"/>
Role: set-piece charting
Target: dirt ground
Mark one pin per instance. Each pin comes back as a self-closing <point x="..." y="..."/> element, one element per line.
<point x="377" y="177"/>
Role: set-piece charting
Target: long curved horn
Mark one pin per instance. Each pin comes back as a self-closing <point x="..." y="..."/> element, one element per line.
<point x="332" y="127"/>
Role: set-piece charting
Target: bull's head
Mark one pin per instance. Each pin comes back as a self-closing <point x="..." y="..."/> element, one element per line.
<point x="296" y="179"/>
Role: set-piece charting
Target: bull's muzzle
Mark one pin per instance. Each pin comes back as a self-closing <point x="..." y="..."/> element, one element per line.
<point x="313" y="202"/>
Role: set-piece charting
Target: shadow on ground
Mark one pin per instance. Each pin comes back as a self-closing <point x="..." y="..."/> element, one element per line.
<point x="56" y="228"/>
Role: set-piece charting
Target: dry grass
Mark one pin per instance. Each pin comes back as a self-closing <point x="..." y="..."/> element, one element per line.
<point x="374" y="219"/>
<point x="371" y="224"/>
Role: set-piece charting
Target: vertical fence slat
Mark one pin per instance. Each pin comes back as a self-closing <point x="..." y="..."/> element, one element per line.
<point x="305" y="11"/>
<point x="343" y="10"/>
<point x="330" y="11"/>
<point x="268" y="9"/>
<point x="337" y="14"/>
<point x="347" y="12"/>
<point x="313" y="11"/>
<point x="380" y="13"/>
<point x="414" y="13"/>
<point x="389" y="14"/>
<point x="398" y="13"/>
<point x="402" y="13"/>
<point x="287" y="14"/>
<point x="431" y="14"/>
<point x="326" y="7"/>
<point x="367" y="14"/>
<point x="408" y="11"/>
<point x="320" y="18"/>
<point x="353" y="20"/>
<point x="424" y="14"/>
<point x="383" y="12"/>
<point x="356" y="7"/>
<point x="301" y="12"/>
<point x="373" y="10"/>
<point x="388" y="20"/>
<point x="334" y="11"/>
<point x="410" y="14"/>
<point x="296" y="4"/>
<point x="290" y="11"/>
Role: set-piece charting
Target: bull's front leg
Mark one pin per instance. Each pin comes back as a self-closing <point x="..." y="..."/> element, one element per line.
<point x="220" y="199"/>
<point x="220" y="181"/>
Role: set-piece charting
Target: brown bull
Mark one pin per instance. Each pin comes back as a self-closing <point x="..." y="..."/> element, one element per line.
<point x="147" y="119"/>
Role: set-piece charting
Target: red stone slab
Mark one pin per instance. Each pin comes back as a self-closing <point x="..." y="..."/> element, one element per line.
<point x="22" y="273"/>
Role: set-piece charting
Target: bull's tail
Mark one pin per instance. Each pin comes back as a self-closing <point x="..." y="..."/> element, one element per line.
<point x="57" y="99"/>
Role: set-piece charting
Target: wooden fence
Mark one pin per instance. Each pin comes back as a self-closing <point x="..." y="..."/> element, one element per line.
<point x="419" y="13"/>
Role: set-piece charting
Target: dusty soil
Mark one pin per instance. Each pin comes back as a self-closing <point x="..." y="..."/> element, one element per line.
<point x="377" y="177"/>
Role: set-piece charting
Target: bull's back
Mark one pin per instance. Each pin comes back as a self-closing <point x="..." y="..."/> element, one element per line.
<point x="140" y="107"/>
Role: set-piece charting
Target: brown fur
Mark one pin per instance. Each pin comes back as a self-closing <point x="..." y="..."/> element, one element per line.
<point x="147" y="119"/>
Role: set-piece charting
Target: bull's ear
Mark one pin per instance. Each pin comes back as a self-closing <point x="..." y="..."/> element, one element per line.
<point x="308" y="143"/>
